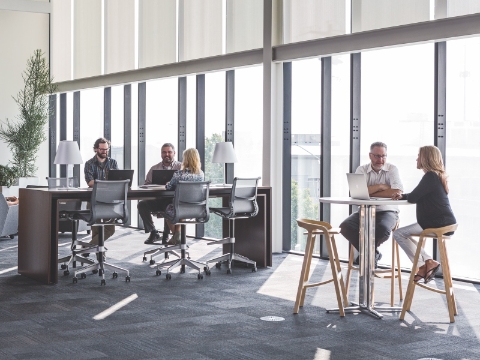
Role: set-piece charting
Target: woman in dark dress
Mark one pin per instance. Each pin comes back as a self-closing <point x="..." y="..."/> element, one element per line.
<point x="433" y="209"/>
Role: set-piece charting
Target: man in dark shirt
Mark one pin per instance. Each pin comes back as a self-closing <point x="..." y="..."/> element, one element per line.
<point x="146" y="207"/>
<point x="97" y="169"/>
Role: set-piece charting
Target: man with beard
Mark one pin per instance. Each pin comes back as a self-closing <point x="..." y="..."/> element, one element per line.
<point x="97" y="169"/>
<point x="147" y="207"/>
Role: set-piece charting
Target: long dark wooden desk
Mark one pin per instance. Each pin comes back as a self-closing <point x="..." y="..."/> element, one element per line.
<point x="38" y="228"/>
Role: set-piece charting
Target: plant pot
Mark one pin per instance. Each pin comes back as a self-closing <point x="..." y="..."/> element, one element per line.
<point x="9" y="191"/>
<point x="24" y="181"/>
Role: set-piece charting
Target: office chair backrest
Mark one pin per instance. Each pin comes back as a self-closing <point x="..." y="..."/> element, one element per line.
<point x="109" y="201"/>
<point x="243" y="199"/>
<point x="191" y="201"/>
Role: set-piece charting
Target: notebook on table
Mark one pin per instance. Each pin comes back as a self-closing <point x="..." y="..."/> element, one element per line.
<point x="357" y="184"/>
<point x="121" y="175"/>
<point x="162" y="177"/>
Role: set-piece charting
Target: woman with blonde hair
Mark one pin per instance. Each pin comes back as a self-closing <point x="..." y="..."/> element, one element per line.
<point x="433" y="209"/>
<point x="190" y="171"/>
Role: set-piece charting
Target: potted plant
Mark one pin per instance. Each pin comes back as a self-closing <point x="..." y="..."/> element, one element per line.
<point x="8" y="177"/>
<point x="25" y="135"/>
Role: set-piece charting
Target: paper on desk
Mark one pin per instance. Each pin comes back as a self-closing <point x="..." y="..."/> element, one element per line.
<point x="152" y="186"/>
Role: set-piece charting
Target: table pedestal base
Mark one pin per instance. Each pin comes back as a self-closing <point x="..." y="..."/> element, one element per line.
<point x="370" y="310"/>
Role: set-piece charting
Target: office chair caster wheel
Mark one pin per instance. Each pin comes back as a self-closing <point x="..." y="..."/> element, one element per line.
<point x="144" y="258"/>
<point x="94" y="271"/>
<point x="158" y="272"/>
<point x="66" y="273"/>
<point x="166" y="256"/>
<point x="200" y="276"/>
<point x="254" y="269"/>
<point x="208" y="272"/>
<point x="152" y="261"/>
<point x="63" y="266"/>
<point x="88" y="232"/>
<point x="218" y="265"/>
<point x="169" y="277"/>
<point x="12" y="236"/>
<point x="115" y="275"/>
<point x="75" y="280"/>
<point x="182" y="271"/>
<point x="229" y="271"/>
<point x="83" y="276"/>
<point x="205" y="268"/>
<point x="100" y="272"/>
<point x="127" y="278"/>
<point x="103" y="282"/>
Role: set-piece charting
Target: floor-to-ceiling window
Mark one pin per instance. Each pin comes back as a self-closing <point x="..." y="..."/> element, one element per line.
<point x="463" y="152"/>
<point x="248" y="119"/>
<point x="91" y="122"/>
<point x="214" y="132"/>
<point x="340" y="142"/>
<point x="305" y="149"/>
<point x="162" y="118"/>
<point x="117" y="128"/>
<point x="397" y="99"/>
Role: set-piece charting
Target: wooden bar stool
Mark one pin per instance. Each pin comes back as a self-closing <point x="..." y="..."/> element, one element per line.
<point x="314" y="228"/>
<point x="382" y="273"/>
<point x="439" y="234"/>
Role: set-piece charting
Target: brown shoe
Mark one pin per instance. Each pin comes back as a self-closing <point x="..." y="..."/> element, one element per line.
<point x="175" y="239"/>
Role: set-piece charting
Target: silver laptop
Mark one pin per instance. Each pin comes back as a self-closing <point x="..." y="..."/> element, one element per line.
<point x="357" y="184"/>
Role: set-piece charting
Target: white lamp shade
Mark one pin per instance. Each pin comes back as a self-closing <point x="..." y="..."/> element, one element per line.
<point x="68" y="153"/>
<point x="224" y="153"/>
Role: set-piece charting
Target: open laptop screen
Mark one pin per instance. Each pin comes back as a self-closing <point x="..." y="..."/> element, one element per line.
<point x="121" y="175"/>
<point x="161" y="177"/>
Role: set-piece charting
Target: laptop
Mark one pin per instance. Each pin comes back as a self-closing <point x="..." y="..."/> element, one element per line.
<point x="357" y="184"/>
<point x="162" y="177"/>
<point x="121" y="175"/>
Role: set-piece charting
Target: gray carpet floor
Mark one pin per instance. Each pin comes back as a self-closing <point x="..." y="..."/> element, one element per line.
<point x="219" y="317"/>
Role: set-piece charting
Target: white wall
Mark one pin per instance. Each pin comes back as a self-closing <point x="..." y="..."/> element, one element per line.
<point x="21" y="33"/>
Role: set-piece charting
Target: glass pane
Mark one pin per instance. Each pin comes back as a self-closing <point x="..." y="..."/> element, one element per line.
<point x="248" y="119"/>
<point x="117" y="147"/>
<point x="91" y="122"/>
<point x="162" y="118"/>
<point x="134" y="212"/>
<point x="340" y="143"/>
<point x="307" y="19"/>
<point x="397" y="109"/>
<point x="214" y="132"/>
<point x="377" y="14"/>
<point x="191" y="111"/>
<point x="306" y="81"/>
<point x="463" y="132"/>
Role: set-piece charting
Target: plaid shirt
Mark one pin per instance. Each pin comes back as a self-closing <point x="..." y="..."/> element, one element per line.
<point x="93" y="170"/>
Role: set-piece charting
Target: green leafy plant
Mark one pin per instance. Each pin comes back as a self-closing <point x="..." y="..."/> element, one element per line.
<point x="25" y="135"/>
<point x="8" y="175"/>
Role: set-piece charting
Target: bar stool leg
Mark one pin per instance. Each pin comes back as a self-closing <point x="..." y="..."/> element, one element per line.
<point x="304" y="275"/>
<point x="447" y="281"/>
<point x="399" y="272"/>
<point x="411" y="283"/>
<point x="349" y="270"/>
<point x="335" y="271"/>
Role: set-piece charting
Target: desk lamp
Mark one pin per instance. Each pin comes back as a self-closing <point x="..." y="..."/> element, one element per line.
<point x="224" y="153"/>
<point x="68" y="153"/>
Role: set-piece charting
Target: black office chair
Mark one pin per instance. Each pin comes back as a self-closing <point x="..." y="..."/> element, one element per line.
<point x="241" y="205"/>
<point x="190" y="207"/>
<point x="64" y="208"/>
<point x="109" y="205"/>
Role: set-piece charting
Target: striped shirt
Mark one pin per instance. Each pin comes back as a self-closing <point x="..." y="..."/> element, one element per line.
<point x="95" y="170"/>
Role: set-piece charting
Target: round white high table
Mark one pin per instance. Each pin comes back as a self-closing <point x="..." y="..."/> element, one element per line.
<point x="366" y="252"/>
